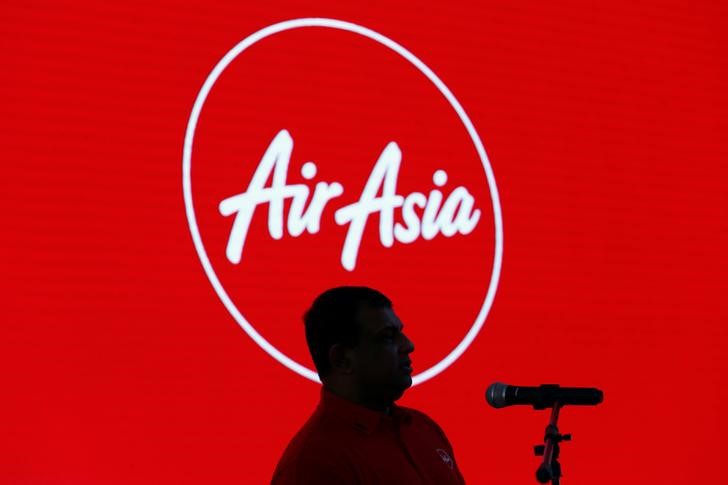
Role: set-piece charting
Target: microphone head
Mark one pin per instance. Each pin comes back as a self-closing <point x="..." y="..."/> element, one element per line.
<point x="496" y="395"/>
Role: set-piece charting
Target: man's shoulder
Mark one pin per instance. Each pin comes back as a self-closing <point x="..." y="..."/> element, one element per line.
<point x="315" y="440"/>
<point x="421" y="420"/>
<point x="415" y="413"/>
<point x="312" y="456"/>
<point x="419" y="417"/>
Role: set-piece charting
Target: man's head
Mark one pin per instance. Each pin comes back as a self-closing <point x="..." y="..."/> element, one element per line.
<point x="356" y="341"/>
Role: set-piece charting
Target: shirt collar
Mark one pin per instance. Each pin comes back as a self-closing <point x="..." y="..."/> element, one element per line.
<point x="361" y="418"/>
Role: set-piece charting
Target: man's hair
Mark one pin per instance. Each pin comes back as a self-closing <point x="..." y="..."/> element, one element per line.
<point x="332" y="319"/>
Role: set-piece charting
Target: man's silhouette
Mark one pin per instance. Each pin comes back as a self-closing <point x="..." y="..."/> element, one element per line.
<point x="357" y="434"/>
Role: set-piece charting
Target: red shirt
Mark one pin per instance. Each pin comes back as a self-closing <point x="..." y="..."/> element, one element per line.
<point x="345" y="443"/>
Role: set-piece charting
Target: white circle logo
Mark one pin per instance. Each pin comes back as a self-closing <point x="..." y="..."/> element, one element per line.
<point x="450" y="233"/>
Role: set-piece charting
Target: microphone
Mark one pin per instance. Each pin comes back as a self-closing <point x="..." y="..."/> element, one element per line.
<point x="500" y="395"/>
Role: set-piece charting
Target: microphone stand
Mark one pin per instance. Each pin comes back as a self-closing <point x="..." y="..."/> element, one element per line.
<point x="550" y="469"/>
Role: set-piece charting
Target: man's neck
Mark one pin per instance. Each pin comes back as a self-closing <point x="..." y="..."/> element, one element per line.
<point x="378" y="405"/>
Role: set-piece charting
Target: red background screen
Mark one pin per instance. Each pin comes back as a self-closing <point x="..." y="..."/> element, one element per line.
<point x="604" y="127"/>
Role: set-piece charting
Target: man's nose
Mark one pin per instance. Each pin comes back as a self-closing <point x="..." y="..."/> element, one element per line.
<point x="407" y="346"/>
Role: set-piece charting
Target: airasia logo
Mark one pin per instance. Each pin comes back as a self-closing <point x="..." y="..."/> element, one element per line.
<point x="456" y="215"/>
<point x="267" y="216"/>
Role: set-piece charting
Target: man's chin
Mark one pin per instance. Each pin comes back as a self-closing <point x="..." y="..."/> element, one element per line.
<point x="408" y="381"/>
<point x="404" y="384"/>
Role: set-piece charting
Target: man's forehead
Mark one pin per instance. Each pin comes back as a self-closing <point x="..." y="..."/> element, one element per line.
<point x="373" y="319"/>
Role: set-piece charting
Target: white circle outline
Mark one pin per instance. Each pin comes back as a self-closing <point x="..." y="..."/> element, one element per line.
<point x="192" y="221"/>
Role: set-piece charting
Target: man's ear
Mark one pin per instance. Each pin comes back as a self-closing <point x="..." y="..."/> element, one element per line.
<point x="341" y="359"/>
